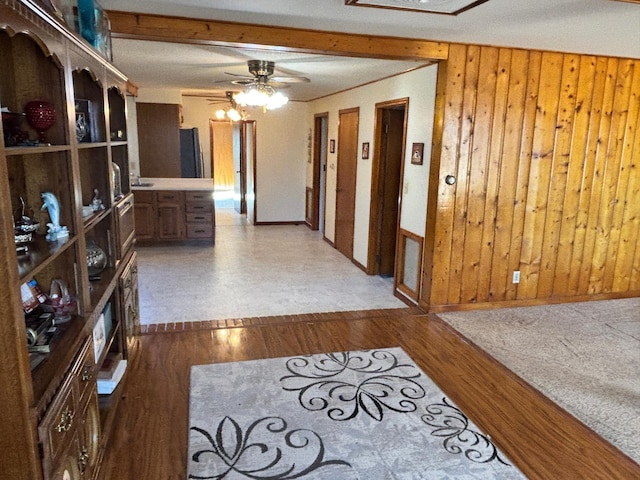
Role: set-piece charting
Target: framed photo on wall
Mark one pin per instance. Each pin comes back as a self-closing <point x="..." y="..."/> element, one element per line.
<point x="365" y="150"/>
<point x="417" y="151"/>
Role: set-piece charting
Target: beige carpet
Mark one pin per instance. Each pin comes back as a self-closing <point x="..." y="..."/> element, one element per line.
<point x="583" y="356"/>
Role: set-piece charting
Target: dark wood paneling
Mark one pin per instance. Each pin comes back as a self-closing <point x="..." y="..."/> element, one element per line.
<point x="544" y="147"/>
<point x="159" y="140"/>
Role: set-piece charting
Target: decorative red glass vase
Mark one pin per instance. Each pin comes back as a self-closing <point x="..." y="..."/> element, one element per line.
<point x="41" y="115"/>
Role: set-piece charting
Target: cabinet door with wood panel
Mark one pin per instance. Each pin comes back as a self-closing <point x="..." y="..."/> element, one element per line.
<point x="170" y="222"/>
<point x="145" y="214"/>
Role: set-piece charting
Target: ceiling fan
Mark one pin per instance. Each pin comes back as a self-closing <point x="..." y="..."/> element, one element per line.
<point x="262" y="74"/>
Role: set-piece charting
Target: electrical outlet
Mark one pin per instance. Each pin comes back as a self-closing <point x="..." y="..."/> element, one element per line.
<point x="516" y="276"/>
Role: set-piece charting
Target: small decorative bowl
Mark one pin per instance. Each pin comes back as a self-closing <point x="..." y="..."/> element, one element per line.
<point x="23" y="237"/>
<point x="27" y="227"/>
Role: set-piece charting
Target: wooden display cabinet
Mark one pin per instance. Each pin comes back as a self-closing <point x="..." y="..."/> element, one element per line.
<point x="58" y="426"/>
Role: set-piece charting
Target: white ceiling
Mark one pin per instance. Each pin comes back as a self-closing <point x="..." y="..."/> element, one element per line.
<point x="604" y="27"/>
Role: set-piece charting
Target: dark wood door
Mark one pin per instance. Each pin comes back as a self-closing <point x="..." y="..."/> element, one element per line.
<point x="391" y="164"/>
<point x="346" y="180"/>
<point x="159" y="140"/>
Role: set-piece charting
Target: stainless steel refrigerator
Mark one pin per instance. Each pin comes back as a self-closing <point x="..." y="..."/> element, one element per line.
<point x="190" y="153"/>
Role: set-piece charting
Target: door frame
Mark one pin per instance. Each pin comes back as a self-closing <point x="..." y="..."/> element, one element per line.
<point x="320" y="143"/>
<point x="249" y="173"/>
<point x="377" y="182"/>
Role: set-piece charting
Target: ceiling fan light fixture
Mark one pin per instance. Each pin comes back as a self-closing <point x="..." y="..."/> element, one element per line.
<point x="276" y="100"/>
<point x="231" y="112"/>
<point x="261" y="95"/>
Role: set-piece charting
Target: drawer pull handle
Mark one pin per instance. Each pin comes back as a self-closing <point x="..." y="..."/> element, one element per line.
<point x="87" y="373"/>
<point x="66" y="421"/>
<point x="83" y="460"/>
<point x="199" y="231"/>
<point x="199" y="218"/>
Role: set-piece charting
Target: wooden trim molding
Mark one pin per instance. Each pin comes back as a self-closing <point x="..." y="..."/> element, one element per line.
<point x="213" y="32"/>
<point x="403" y="235"/>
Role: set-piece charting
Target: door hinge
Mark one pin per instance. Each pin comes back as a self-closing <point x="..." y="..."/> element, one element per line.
<point x="386" y="128"/>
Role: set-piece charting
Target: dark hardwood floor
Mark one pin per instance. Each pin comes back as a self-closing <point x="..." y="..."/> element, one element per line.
<point x="149" y="441"/>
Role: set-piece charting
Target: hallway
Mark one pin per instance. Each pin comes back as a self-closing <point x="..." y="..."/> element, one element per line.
<point x="253" y="271"/>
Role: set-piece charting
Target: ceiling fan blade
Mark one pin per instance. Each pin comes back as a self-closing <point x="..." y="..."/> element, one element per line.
<point x="238" y="75"/>
<point x="290" y="79"/>
<point x="244" y="82"/>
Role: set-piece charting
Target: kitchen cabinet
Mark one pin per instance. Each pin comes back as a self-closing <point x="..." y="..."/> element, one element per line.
<point x="174" y="215"/>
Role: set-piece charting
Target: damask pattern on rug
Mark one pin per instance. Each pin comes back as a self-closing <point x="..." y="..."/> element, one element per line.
<point x="266" y="450"/>
<point x="360" y="415"/>
<point x="327" y="382"/>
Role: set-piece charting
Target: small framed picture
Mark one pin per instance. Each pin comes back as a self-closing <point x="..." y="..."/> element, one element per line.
<point x="332" y="146"/>
<point x="417" y="151"/>
<point x="365" y="150"/>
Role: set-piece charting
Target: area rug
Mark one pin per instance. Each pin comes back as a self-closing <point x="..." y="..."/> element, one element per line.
<point x="367" y="415"/>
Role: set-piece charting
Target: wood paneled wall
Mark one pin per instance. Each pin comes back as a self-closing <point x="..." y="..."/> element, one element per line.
<point x="545" y="148"/>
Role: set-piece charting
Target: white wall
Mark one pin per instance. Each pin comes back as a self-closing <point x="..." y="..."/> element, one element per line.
<point x="281" y="153"/>
<point x="196" y="112"/>
<point x="419" y="86"/>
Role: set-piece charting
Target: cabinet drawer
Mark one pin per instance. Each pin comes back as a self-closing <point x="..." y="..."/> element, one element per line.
<point x="59" y="423"/>
<point x="195" y="207"/>
<point x="199" y="218"/>
<point x="204" y="196"/>
<point x="142" y="196"/>
<point x="196" y="230"/>
<point x="84" y="370"/>
<point x="129" y="277"/>
<point x="168" y="196"/>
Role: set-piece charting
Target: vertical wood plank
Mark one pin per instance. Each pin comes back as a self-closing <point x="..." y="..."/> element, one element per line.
<point x="572" y="230"/>
<point x="434" y="183"/>
<point x="478" y="176"/>
<point x="583" y="242"/>
<point x="621" y="166"/>
<point x="610" y="174"/>
<point x="630" y="232"/>
<point x="467" y="124"/>
<point x="556" y="201"/>
<point x="524" y="168"/>
<point x="494" y="162"/>
<point x="540" y="174"/>
<point x="455" y="74"/>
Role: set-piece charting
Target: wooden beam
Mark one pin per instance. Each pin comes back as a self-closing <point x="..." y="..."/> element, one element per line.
<point x="212" y="32"/>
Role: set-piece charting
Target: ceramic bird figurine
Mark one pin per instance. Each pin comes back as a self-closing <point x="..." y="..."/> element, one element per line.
<point x="55" y="231"/>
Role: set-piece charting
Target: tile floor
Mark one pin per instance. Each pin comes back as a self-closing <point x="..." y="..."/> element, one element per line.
<point x="253" y="271"/>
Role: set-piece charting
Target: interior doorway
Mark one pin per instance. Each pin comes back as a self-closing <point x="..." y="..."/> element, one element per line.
<point x="346" y="180"/>
<point x="222" y="161"/>
<point x="387" y="168"/>
<point x="233" y="157"/>
<point x="320" y="141"/>
<point x="248" y="151"/>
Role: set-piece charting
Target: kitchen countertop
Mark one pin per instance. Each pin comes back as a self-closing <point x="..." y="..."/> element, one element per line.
<point x="174" y="184"/>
